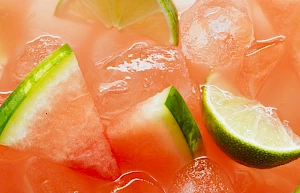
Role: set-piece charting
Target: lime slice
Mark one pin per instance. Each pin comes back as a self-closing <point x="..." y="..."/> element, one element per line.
<point x="75" y="10"/>
<point x="247" y="131"/>
<point x="120" y="13"/>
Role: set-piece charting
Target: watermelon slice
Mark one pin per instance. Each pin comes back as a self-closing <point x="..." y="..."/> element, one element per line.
<point x="158" y="135"/>
<point x="51" y="114"/>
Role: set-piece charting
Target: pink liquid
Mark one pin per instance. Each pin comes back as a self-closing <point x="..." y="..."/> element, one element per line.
<point x="91" y="43"/>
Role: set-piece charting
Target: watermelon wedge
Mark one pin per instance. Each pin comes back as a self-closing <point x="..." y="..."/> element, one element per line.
<point x="51" y="114"/>
<point x="158" y="135"/>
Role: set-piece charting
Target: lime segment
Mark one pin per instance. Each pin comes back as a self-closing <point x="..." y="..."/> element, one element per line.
<point x="249" y="132"/>
<point x="75" y="10"/>
<point x="119" y="13"/>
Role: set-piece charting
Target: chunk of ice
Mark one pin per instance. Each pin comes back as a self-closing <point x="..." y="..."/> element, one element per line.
<point x="138" y="73"/>
<point x="35" y="51"/>
<point x="216" y="33"/>
<point x="259" y="61"/>
<point x="201" y="176"/>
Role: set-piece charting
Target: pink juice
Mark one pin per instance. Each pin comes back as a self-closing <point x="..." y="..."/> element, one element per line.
<point x="253" y="44"/>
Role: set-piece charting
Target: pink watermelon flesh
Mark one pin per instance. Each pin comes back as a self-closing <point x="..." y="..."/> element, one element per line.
<point x="60" y="123"/>
<point x="147" y="138"/>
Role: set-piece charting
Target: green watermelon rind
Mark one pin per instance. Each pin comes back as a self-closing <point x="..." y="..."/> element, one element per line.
<point x="184" y="118"/>
<point x="16" y="98"/>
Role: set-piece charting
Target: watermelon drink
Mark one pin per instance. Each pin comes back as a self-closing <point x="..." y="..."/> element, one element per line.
<point x="129" y="110"/>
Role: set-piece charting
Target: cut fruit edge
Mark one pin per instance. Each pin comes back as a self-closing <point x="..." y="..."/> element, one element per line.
<point x="15" y="99"/>
<point x="78" y="10"/>
<point x="184" y="118"/>
<point x="294" y="140"/>
<point x="75" y="11"/>
<point x="169" y="10"/>
<point x="31" y="122"/>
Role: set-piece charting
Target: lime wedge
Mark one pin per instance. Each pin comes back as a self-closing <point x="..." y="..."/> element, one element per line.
<point x="247" y="131"/>
<point x="75" y="10"/>
<point x="120" y="13"/>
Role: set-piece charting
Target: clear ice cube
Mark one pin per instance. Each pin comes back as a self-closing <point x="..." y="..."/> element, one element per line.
<point x="216" y="33"/>
<point x="259" y="61"/>
<point x="35" y="51"/>
<point x="201" y="176"/>
<point x="132" y="76"/>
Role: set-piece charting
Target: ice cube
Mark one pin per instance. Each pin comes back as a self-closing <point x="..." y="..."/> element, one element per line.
<point x="201" y="176"/>
<point x="216" y="33"/>
<point x="133" y="181"/>
<point x="45" y="176"/>
<point x="35" y="51"/>
<point x="295" y="44"/>
<point x="284" y="16"/>
<point x="121" y="81"/>
<point x="259" y="61"/>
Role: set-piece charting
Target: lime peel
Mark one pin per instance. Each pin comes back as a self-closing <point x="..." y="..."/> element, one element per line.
<point x="169" y="10"/>
<point x="229" y="117"/>
<point x="119" y="14"/>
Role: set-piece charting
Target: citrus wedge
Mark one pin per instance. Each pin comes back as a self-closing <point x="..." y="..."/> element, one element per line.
<point x="120" y="13"/>
<point x="247" y="131"/>
<point x="75" y="10"/>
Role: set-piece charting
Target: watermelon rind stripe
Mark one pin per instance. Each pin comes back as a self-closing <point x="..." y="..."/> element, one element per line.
<point x="15" y="99"/>
<point x="184" y="118"/>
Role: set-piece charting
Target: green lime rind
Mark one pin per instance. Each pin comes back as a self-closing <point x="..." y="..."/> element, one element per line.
<point x="169" y="10"/>
<point x="243" y="152"/>
<point x="184" y="118"/>
<point x="15" y="99"/>
<point x="297" y="190"/>
<point x="91" y="11"/>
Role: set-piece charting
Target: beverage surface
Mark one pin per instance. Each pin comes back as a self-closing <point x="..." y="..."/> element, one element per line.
<point x="123" y="97"/>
